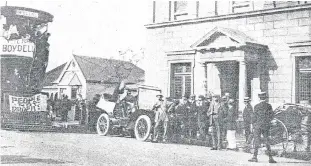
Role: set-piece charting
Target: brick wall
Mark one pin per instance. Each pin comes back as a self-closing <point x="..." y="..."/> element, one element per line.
<point x="273" y="30"/>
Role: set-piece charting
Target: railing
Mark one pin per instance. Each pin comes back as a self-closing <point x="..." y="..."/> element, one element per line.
<point x="25" y="118"/>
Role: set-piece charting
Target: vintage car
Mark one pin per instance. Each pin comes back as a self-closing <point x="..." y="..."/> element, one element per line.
<point x="125" y="116"/>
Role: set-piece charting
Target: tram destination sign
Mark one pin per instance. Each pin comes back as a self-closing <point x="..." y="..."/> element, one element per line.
<point x="27" y="13"/>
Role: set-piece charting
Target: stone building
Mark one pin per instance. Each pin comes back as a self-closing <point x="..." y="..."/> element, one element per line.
<point x="240" y="47"/>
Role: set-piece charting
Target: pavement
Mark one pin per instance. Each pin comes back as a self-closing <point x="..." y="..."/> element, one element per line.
<point x="43" y="148"/>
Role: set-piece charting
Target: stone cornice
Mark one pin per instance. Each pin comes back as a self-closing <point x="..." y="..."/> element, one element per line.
<point x="229" y="16"/>
<point x="300" y="44"/>
<point x="301" y="48"/>
<point x="180" y="52"/>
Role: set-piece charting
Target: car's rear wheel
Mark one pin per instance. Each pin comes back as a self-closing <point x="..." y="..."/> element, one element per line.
<point x="142" y="128"/>
<point x="103" y="124"/>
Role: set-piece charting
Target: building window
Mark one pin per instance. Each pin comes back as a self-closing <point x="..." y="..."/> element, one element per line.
<point x="52" y="96"/>
<point x="56" y="96"/>
<point x="303" y="78"/>
<point x="181" y="79"/>
<point x="74" y="92"/>
<point x="242" y="6"/>
<point x="62" y="92"/>
<point x="180" y="9"/>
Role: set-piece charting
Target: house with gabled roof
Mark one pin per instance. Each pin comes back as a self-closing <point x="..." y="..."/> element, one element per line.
<point x="89" y="76"/>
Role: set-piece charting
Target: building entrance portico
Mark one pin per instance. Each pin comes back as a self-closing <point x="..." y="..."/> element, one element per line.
<point x="232" y="63"/>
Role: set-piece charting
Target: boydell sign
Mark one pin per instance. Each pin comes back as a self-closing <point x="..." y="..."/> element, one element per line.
<point x="20" y="47"/>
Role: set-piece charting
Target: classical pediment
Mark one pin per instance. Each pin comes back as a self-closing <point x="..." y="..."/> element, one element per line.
<point x="224" y="38"/>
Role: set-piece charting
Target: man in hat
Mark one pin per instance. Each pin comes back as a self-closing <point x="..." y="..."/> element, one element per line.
<point x="183" y="110"/>
<point x="130" y="101"/>
<point x="208" y="98"/>
<point x="215" y="126"/>
<point x="160" y="108"/>
<point x="170" y="107"/>
<point x="202" y="108"/>
<point x="65" y="107"/>
<point x="224" y="106"/>
<point x="231" y="124"/>
<point x="91" y="120"/>
<point x="247" y="115"/>
<point x="263" y="115"/>
<point x="81" y="108"/>
<point x="192" y="120"/>
<point x="207" y="101"/>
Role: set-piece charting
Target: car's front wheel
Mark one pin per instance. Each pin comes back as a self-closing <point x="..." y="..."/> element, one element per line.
<point x="142" y="128"/>
<point x="103" y="124"/>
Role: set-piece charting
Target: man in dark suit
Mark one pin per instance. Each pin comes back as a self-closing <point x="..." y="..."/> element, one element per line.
<point x="222" y="115"/>
<point x="183" y="110"/>
<point x="192" y="117"/>
<point x="263" y="115"/>
<point x="202" y="108"/>
<point x="247" y="115"/>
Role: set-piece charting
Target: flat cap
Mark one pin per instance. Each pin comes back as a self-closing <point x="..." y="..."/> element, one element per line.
<point x="201" y="96"/>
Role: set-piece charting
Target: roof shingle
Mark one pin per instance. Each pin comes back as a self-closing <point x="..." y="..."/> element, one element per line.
<point x="52" y="75"/>
<point x="109" y="70"/>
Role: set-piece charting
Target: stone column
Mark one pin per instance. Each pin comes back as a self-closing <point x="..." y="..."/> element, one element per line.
<point x="242" y="83"/>
<point x="213" y="80"/>
<point x="199" y="79"/>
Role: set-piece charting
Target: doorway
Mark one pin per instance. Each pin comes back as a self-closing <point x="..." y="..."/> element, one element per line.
<point x="229" y="78"/>
<point x="223" y="77"/>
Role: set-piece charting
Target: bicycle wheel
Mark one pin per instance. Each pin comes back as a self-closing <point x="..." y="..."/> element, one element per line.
<point x="278" y="135"/>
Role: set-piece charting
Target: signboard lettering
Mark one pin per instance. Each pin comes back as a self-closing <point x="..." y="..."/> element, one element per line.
<point x="27" y="13"/>
<point x="20" y="47"/>
<point x="23" y="104"/>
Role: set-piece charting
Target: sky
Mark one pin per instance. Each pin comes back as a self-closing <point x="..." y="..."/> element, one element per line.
<point x="91" y="27"/>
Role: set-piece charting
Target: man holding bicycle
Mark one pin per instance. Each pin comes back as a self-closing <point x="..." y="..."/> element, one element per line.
<point x="263" y="115"/>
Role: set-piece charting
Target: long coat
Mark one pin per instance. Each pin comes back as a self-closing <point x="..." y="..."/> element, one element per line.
<point x="192" y="108"/>
<point x="231" y="118"/>
<point x="215" y="114"/>
<point x="248" y="113"/>
<point x="192" y="114"/>
<point x="263" y="115"/>
<point x="183" y="109"/>
<point x="202" y="109"/>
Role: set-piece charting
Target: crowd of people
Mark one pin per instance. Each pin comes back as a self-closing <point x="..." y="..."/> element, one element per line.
<point x="212" y="117"/>
<point x="59" y="108"/>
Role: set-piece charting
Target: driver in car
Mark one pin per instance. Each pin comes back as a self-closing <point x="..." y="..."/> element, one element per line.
<point x="130" y="101"/>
